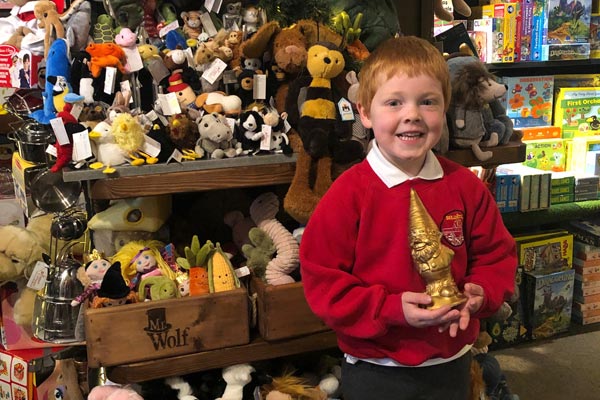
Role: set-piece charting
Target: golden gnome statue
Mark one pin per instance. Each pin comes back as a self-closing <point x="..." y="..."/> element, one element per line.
<point x="431" y="257"/>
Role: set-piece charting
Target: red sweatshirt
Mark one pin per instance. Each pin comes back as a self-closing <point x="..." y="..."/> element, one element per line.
<point x="356" y="261"/>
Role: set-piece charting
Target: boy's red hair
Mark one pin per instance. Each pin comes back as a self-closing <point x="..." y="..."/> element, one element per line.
<point x="409" y="55"/>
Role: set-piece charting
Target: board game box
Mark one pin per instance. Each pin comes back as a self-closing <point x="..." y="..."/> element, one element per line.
<point x="529" y="100"/>
<point x="546" y="154"/>
<point x="545" y="252"/>
<point x="548" y="302"/>
<point x="576" y="111"/>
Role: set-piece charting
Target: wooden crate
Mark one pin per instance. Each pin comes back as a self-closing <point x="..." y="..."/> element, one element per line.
<point x="283" y="311"/>
<point x="165" y="328"/>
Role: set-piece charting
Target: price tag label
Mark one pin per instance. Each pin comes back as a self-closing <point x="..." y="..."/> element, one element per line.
<point x="167" y="28"/>
<point x="242" y="271"/>
<point x="260" y="87"/>
<point x="38" y="277"/>
<point x="59" y="131"/>
<point x="151" y="146"/>
<point x="77" y="109"/>
<point x="81" y="146"/>
<point x="214" y="71"/>
<point x="51" y="150"/>
<point x="207" y="24"/>
<point x="169" y="104"/>
<point x="265" y="141"/>
<point x="176" y="156"/>
<point x="110" y="80"/>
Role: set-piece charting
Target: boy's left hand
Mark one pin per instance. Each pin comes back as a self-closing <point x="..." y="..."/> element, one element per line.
<point x="474" y="301"/>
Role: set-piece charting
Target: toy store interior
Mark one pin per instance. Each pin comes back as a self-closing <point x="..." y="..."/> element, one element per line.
<point x="157" y="170"/>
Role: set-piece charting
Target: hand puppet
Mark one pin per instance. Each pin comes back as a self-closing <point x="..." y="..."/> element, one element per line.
<point x="48" y="19"/>
<point x="105" y="55"/>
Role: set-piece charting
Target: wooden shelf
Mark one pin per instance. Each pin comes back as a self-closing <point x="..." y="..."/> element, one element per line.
<point x="511" y="152"/>
<point x="257" y="350"/>
<point x="546" y="67"/>
<point x="556" y="214"/>
<point x="189" y="176"/>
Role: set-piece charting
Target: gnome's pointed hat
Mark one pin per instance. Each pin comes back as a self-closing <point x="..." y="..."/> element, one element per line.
<point x="420" y="220"/>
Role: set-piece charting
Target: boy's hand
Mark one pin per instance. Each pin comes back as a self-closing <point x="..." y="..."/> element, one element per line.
<point x="420" y="317"/>
<point x="474" y="301"/>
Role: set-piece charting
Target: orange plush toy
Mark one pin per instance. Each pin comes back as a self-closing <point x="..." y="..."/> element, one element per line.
<point x="105" y="55"/>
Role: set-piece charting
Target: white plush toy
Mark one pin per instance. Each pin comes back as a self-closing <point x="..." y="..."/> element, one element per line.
<point x="236" y="376"/>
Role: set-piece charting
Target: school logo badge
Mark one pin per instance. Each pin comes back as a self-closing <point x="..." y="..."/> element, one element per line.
<point x="452" y="228"/>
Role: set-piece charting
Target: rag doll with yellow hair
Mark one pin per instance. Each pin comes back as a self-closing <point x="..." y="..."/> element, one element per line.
<point x="140" y="259"/>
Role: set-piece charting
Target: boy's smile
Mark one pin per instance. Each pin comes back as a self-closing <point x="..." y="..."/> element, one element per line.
<point x="406" y="115"/>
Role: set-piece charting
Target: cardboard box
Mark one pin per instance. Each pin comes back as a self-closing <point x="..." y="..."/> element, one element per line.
<point x="283" y="311"/>
<point x="548" y="302"/>
<point x="546" y="154"/>
<point x="166" y="328"/>
<point x="576" y="110"/>
<point x="563" y="26"/>
<point x="566" y="51"/>
<point x="528" y="100"/>
<point x="545" y="252"/>
<point x="541" y="132"/>
<point x="22" y="377"/>
<point x="511" y="331"/>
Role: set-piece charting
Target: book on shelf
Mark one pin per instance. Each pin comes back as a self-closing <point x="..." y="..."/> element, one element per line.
<point x="529" y="99"/>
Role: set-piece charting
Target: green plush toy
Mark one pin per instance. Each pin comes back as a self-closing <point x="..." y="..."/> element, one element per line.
<point x="161" y="288"/>
<point x="259" y="252"/>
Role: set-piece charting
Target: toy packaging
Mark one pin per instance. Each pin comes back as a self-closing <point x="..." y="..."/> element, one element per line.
<point x="540" y="132"/>
<point x="594" y="36"/>
<point x="576" y="111"/>
<point x="18" y="68"/>
<point x="507" y="192"/>
<point x="526" y="11"/>
<point x="529" y="100"/>
<point x="569" y="22"/>
<point x="507" y="13"/>
<point x="539" y="32"/>
<point x="546" y="154"/>
<point x="586" y="230"/>
<point x="545" y="252"/>
<point x="512" y="330"/>
<point x="548" y="301"/>
<point x="565" y="51"/>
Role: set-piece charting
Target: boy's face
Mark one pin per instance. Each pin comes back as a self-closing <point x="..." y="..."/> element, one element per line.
<point x="406" y="116"/>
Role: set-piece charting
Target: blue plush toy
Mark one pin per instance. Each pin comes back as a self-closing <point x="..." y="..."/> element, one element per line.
<point x="57" y="64"/>
<point x="174" y="39"/>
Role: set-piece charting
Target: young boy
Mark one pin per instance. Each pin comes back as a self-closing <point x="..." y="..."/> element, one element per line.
<point x="358" y="272"/>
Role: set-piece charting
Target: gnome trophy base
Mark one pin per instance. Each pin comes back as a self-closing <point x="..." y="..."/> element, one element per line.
<point x="431" y="257"/>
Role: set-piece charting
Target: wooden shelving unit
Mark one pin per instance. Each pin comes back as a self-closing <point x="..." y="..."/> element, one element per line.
<point x="511" y="152"/>
<point x="189" y="176"/>
<point x="257" y="350"/>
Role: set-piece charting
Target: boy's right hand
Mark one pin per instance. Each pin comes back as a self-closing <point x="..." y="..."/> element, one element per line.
<point x="421" y="317"/>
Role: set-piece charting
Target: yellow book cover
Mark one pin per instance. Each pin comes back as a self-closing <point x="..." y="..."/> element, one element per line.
<point x="576" y="111"/>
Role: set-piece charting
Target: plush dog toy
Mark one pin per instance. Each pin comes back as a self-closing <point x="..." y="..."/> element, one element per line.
<point x="49" y="20"/>
<point x="20" y="249"/>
